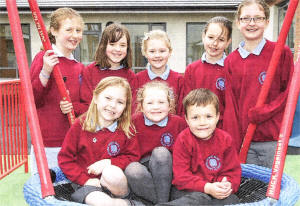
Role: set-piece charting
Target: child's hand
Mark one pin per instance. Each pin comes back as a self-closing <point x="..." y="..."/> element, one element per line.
<point x="93" y="182"/>
<point x="50" y="60"/>
<point x="65" y="107"/>
<point x="219" y="190"/>
<point x="97" y="167"/>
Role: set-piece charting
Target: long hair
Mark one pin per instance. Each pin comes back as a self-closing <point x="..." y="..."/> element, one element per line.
<point x="92" y="115"/>
<point x="113" y="33"/>
<point x="262" y="3"/>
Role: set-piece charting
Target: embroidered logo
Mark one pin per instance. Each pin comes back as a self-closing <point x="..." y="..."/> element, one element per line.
<point x="213" y="162"/>
<point x="262" y="77"/>
<point x="113" y="148"/>
<point x="220" y="83"/>
<point x="166" y="139"/>
<point x="94" y="140"/>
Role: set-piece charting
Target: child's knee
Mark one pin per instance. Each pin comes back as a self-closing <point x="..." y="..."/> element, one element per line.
<point x="114" y="179"/>
<point x="135" y="170"/>
<point x="161" y="155"/>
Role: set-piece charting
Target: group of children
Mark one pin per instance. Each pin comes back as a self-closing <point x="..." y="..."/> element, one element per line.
<point x="158" y="137"/>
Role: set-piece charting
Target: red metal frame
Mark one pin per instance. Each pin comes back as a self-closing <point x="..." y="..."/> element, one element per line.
<point x="36" y="136"/>
<point x="284" y="135"/>
<point x="14" y="138"/>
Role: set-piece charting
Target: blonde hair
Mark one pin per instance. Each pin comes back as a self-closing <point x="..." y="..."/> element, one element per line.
<point x="57" y="16"/>
<point x="155" y="84"/>
<point x="155" y="34"/>
<point x="201" y="97"/>
<point x="124" y="121"/>
<point x="262" y="3"/>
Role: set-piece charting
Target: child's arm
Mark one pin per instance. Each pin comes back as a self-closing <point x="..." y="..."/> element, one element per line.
<point x="231" y="168"/>
<point x="86" y="88"/>
<point x="67" y="157"/>
<point x="267" y="111"/>
<point x="183" y="177"/>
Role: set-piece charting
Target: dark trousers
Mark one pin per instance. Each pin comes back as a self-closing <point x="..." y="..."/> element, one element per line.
<point x="151" y="179"/>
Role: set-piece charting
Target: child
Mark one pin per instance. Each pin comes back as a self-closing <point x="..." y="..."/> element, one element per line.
<point x="112" y="58"/>
<point x="157" y="129"/>
<point x="208" y="72"/>
<point x="247" y="67"/>
<point x="98" y="146"/>
<point x="156" y="47"/>
<point x="205" y="164"/>
<point x="65" y="33"/>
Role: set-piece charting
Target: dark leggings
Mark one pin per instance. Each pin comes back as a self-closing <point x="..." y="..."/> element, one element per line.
<point x="151" y="180"/>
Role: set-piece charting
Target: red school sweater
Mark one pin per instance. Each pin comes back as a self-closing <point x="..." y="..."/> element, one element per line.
<point x="246" y="80"/>
<point x="92" y="75"/>
<point x="81" y="149"/>
<point x="54" y="124"/>
<point x="197" y="162"/>
<point x="204" y="75"/>
<point x="174" y="80"/>
<point x="153" y="136"/>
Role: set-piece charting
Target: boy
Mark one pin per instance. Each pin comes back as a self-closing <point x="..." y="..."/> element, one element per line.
<point x="205" y="163"/>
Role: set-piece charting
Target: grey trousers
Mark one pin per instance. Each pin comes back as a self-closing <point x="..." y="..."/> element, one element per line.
<point x="151" y="180"/>
<point x="180" y="198"/>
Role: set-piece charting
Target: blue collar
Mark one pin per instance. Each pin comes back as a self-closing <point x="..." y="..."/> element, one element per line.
<point x="162" y="123"/>
<point x="220" y="62"/>
<point x="152" y="75"/>
<point x="112" y="128"/>
<point x="244" y="53"/>
<point x="120" y="67"/>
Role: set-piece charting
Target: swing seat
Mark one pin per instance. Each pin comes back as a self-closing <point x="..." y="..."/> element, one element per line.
<point x="253" y="188"/>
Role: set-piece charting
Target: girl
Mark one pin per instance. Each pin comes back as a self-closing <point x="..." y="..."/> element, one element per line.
<point x="247" y="67"/>
<point x="65" y="33"/>
<point x="157" y="129"/>
<point x="156" y="47"/>
<point x="208" y="72"/>
<point x="99" y="145"/>
<point x="112" y="58"/>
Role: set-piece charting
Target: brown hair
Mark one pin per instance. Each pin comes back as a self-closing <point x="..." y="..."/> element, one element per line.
<point x="262" y="3"/>
<point x="124" y="121"/>
<point x="113" y="33"/>
<point x="200" y="97"/>
<point x="57" y="16"/>
<point x="155" y="84"/>
<point x="155" y="34"/>
<point x="224" y="22"/>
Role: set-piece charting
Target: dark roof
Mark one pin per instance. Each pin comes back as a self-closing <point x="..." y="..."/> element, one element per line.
<point x="130" y="5"/>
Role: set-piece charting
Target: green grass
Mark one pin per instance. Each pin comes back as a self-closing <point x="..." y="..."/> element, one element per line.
<point x="11" y="187"/>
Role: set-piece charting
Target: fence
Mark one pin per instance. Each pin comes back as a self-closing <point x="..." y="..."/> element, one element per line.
<point x="13" y="134"/>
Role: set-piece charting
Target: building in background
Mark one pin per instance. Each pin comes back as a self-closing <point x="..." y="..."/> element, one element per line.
<point x="182" y="20"/>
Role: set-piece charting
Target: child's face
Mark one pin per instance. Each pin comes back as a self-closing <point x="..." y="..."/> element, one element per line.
<point x="215" y="41"/>
<point x="116" y="51"/>
<point x="252" y="31"/>
<point x="157" y="53"/>
<point x="155" y="105"/>
<point x="69" y="35"/>
<point x="111" y="103"/>
<point x="202" y="120"/>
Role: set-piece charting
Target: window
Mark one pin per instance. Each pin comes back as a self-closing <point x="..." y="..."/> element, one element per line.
<point x="281" y="14"/>
<point x="91" y="36"/>
<point x="194" y="47"/>
<point x="8" y="63"/>
<point x="137" y="31"/>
